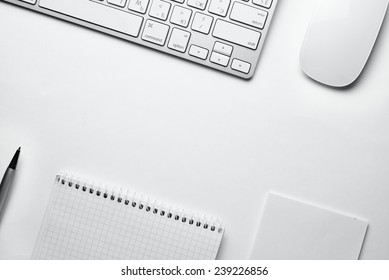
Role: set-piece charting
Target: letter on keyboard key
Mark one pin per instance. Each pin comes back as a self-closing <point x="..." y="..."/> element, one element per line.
<point x="159" y="9"/>
<point x="241" y="66"/>
<point x="180" y="16"/>
<point x="263" y="3"/>
<point x="202" y="23"/>
<point x="248" y="15"/>
<point x="222" y="48"/>
<point x="198" y="52"/>
<point x="139" y="6"/>
<point x="220" y="59"/>
<point x="155" y="32"/>
<point x="104" y="16"/>
<point x="179" y="40"/>
<point x="236" y="34"/>
<point x="199" y="4"/>
<point x="219" y="7"/>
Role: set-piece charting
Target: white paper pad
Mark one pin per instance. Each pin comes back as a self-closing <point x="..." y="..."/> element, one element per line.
<point x="290" y="229"/>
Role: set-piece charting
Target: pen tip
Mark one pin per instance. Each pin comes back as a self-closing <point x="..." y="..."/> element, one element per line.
<point x="14" y="160"/>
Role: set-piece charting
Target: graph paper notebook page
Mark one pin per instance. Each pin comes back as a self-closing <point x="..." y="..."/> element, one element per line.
<point x="84" y="221"/>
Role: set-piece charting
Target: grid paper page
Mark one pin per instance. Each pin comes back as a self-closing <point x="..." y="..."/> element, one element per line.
<point x="79" y="224"/>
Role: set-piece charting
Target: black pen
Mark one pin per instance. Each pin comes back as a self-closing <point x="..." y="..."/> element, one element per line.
<point x="7" y="181"/>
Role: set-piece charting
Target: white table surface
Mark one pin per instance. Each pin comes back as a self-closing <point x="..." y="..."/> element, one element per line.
<point x="79" y="100"/>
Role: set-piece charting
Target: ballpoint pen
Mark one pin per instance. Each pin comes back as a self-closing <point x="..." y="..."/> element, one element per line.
<point x="7" y="181"/>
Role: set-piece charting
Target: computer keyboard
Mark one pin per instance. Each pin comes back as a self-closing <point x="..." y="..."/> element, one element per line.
<point x="227" y="35"/>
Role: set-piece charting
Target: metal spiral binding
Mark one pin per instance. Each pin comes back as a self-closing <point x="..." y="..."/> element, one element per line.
<point x="132" y="201"/>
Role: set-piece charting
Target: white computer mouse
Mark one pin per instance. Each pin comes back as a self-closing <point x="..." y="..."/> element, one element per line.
<point x="340" y="39"/>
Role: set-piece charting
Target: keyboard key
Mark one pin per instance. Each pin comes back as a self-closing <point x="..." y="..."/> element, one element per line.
<point x="236" y="34"/>
<point x="248" y="15"/>
<point x="160" y="9"/>
<point x="179" y="1"/>
<point x="119" y="3"/>
<point x="263" y="3"/>
<point x="139" y="6"/>
<point x="220" y="59"/>
<point x="222" y="48"/>
<point x="29" y="1"/>
<point x="101" y="15"/>
<point x="202" y="23"/>
<point x="241" y="66"/>
<point x="179" y="40"/>
<point x="155" y="32"/>
<point x="219" y="7"/>
<point x="181" y="16"/>
<point x="198" y="52"/>
<point x="199" y="4"/>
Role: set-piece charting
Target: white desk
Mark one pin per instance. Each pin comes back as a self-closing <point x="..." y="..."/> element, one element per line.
<point x="79" y="100"/>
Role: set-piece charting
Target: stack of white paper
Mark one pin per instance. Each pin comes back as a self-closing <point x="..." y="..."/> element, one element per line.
<point x="290" y="229"/>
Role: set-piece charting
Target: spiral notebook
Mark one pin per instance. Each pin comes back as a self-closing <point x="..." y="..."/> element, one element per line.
<point x="86" y="221"/>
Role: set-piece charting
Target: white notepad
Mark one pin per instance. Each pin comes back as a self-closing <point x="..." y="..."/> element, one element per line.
<point x="84" y="221"/>
<point x="290" y="229"/>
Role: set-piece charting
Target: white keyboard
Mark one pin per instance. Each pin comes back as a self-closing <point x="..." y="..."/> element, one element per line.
<point x="227" y="35"/>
